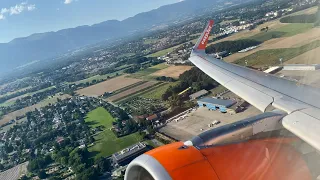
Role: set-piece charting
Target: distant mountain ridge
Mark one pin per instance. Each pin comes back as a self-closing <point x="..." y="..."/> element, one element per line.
<point x="39" y="46"/>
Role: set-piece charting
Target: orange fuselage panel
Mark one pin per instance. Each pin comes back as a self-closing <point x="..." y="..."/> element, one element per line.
<point x="272" y="159"/>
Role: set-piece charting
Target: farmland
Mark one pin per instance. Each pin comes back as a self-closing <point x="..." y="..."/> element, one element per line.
<point x="310" y="57"/>
<point x="9" y="93"/>
<point x="106" y="143"/>
<point x="172" y="71"/>
<point x="271" y="56"/>
<point x="283" y="42"/>
<point x="107" y="86"/>
<point x="12" y="101"/>
<point x="157" y="92"/>
<point x="148" y="71"/>
<point x="284" y="31"/>
<point x="132" y="91"/>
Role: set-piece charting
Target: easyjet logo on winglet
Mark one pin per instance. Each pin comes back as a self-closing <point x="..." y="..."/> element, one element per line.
<point x="206" y="35"/>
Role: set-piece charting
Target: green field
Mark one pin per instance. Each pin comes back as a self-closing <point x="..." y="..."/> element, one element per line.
<point x="149" y="71"/>
<point x="106" y="143"/>
<point x="128" y="87"/>
<point x="98" y="77"/>
<point x="158" y="92"/>
<point x="163" y="52"/>
<point x="271" y="57"/>
<point x="10" y="102"/>
<point x="7" y="103"/>
<point x="126" y="55"/>
<point x="20" y="90"/>
<point x="150" y="41"/>
<point x="141" y="93"/>
<point x="284" y="31"/>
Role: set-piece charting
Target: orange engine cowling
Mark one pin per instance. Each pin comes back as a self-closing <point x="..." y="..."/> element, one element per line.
<point x="267" y="159"/>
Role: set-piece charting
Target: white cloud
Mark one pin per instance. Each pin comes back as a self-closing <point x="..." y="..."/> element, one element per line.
<point x="17" y="9"/>
<point x="68" y="1"/>
<point x="31" y="7"/>
<point x="4" y="10"/>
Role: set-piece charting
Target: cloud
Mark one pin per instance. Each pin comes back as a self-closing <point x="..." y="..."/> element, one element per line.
<point x="68" y="1"/>
<point x="17" y="9"/>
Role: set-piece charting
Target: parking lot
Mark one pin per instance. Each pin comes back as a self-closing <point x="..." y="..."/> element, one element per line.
<point x="197" y="122"/>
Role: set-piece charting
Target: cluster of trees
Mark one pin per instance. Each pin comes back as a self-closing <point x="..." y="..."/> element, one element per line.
<point x="265" y="29"/>
<point x="231" y="46"/>
<point x="37" y="88"/>
<point x="303" y="18"/>
<point x="137" y="67"/>
<point x="164" y="78"/>
<point x="78" y="159"/>
<point x="36" y="164"/>
<point x="194" y="78"/>
<point x="133" y="69"/>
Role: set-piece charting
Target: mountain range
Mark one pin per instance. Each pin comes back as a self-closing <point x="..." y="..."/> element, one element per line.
<point x="21" y="51"/>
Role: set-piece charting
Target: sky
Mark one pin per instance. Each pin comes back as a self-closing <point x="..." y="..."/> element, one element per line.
<point x="20" y="18"/>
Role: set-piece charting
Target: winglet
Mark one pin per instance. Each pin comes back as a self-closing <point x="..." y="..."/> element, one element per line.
<point x="203" y="40"/>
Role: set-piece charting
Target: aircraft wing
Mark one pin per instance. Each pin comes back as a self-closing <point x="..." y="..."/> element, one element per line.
<point x="300" y="102"/>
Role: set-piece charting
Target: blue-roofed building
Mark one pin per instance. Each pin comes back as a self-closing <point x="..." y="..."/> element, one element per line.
<point x="216" y="104"/>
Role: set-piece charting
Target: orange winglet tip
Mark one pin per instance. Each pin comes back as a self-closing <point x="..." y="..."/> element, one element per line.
<point x="203" y="41"/>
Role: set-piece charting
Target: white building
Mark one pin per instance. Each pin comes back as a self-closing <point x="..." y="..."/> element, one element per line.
<point x="301" y="67"/>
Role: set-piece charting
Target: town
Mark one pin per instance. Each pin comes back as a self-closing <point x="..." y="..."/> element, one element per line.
<point x="91" y="113"/>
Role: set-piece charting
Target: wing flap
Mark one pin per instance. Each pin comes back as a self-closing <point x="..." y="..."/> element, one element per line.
<point x="305" y="124"/>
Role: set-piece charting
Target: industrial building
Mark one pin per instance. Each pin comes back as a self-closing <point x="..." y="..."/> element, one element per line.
<point x="216" y="104"/>
<point x="198" y="94"/>
<point x="301" y="67"/>
<point x="126" y="155"/>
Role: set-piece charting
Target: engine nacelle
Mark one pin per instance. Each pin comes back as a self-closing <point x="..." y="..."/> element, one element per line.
<point x="226" y="152"/>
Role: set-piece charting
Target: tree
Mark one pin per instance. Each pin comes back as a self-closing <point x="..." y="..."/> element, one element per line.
<point x="42" y="174"/>
<point x="89" y="173"/>
<point x="103" y="165"/>
<point x="151" y="130"/>
<point x="33" y="166"/>
<point x="91" y="140"/>
<point x="24" y="177"/>
<point x="55" y="178"/>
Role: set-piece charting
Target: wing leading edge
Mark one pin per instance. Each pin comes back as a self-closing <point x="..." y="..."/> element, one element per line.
<point x="263" y="90"/>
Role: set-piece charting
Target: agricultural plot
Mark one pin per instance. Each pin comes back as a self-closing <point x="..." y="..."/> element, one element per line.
<point x="150" y="41"/>
<point x="132" y="91"/>
<point x="297" y="40"/>
<point x="271" y="57"/>
<point x="172" y="71"/>
<point x="99" y="77"/>
<point x="158" y="92"/>
<point x="13" y="100"/>
<point x="19" y="90"/>
<point x="110" y="85"/>
<point x="282" y="42"/>
<point x="106" y="142"/>
<point x="284" y="31"/>
<point x="140" y="93"/>
<point x="15" y="172"/>
<point x="310" y="57"/>
<point x="148" y="71"/>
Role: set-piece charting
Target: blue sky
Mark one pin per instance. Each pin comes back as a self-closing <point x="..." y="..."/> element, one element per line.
<point x="20" y="18"/>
